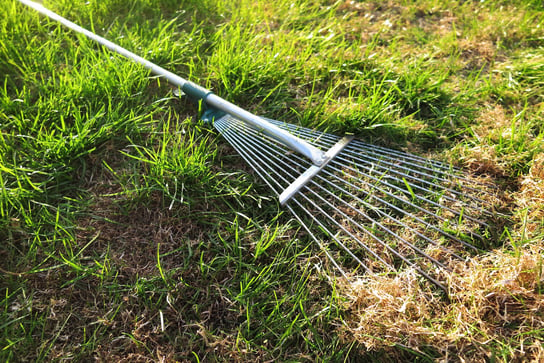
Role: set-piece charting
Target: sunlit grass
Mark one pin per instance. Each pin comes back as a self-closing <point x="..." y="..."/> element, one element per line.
<point x="130" y="230"/>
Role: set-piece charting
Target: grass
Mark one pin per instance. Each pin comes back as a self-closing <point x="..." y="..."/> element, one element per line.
<point x="131" y="231"/>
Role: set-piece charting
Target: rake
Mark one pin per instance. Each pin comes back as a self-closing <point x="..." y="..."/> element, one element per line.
<point x="371" y="209"/>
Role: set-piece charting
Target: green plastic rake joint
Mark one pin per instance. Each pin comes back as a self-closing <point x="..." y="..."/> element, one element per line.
<point x="195" y="91"/>
<point x="211" y="114"/>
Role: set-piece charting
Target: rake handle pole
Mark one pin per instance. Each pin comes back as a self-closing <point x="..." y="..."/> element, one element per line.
<point x="317" y="156"/>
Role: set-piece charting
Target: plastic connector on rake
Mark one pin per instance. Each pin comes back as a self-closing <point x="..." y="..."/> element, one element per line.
<point x="212" y="114"/>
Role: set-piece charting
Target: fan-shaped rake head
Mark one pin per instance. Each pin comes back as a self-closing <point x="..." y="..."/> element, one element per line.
<point x="370" y="208"/>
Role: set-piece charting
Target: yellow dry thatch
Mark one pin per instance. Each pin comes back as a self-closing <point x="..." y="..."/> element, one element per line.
<point x="495" y="301"/>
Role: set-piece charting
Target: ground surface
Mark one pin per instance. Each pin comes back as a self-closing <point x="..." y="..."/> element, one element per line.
<point x="131" y="231"/>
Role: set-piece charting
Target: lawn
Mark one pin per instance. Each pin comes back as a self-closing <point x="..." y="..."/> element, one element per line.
<point x="131" y="231"/>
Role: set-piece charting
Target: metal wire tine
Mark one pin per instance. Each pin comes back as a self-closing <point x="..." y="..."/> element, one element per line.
<point x="448" y="170"/>
<point x="448" y="173"/>
<point x="368" y="205"/>
<point x="304" y="131"/>
<point x="254" y="135"/>
<point x="394" y="168"/>
<point x="381" y="200"/>
<point x="431" y="184"/>
<point x="404" y="192"/>
<point x="388" y="216"/>
<point x="439" y="192"/>
<point x="435" y="169"/>
<point x="335" y="222"/>
<point x="244" y="136"/>
<point x="385" y="175"/>
<point x="392" y="250"/>
<point x="313" y="136"/>
<point x="397" y="153"/>
<point x="435" y="176"/>
<point x="227" y="132"/>
<point x="333" y="236"/>
<point x="380" y="225"/>
<point x="401" y="160"/>
<point x="323" y="248"/>
<point x="247" y="149"/>
<point x="406" y="213"/>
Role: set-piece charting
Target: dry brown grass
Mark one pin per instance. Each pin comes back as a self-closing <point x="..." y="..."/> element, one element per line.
<point x="495" y="307"/>
<point x="495" y="300"/>
<point x="530" y="197"/>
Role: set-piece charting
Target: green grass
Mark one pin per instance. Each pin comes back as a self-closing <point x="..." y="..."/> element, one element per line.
<point x="130" y="230"/>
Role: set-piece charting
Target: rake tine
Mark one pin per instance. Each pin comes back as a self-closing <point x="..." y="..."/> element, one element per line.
<point x="426" y="200"/>
<point x="254" y="151"/>
<point x="437" y="174"/>
<point x="408" y="203"/>
<point x="387" y="174"/>
<point x="392" y="250"/>
<point x="411" y="177"/>
<point x="391" y="268"/>
<point x="446" y="234"/>
<point x="354" y="197"/>
<point x="377" y="223"/>
<point x="395" y="170"/>
<point x="417" y="161"/>
<point x="408" y="214"/>
<point x="446" y="169"/>
<point x="320" y="244"/>
<point x="394" y="154"/>
<point x="257" y="167"/>
<point x="368" y="205"/>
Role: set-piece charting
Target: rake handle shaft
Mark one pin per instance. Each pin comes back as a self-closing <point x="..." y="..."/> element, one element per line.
<point x="317" y="156"/>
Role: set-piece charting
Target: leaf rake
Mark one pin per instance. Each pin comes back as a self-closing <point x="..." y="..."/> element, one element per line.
<point x="371" y="209"/>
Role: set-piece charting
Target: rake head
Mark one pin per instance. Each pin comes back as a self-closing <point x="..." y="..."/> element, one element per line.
<point x="371" y="209"/>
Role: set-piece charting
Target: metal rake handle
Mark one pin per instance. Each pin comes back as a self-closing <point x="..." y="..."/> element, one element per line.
<point x="317" y="156"/>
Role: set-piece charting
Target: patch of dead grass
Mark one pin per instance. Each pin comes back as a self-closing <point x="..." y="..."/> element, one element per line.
<point x="492" y="123"/>
<point x="530" y="197"/>
<point x="495" y="299"/>
<point x="482" y="159"/>
<point x="476" y="53"/>
<point x="490" y="119"/>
